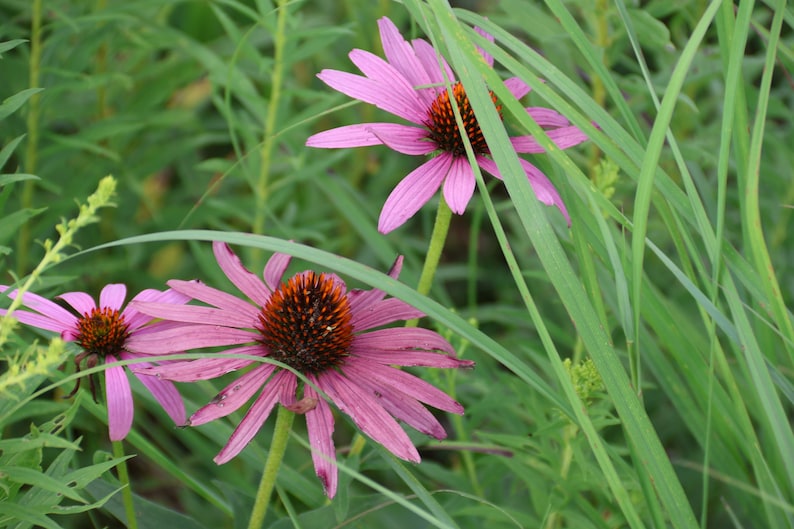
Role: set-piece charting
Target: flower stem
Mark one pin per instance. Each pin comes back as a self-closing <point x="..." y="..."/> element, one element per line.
<point x="31" y="150"/>
<point x="278" y="446"/>
<point x="126" y="492"/>
<point x="262" y="189"/>
<point x="437" y="240"/>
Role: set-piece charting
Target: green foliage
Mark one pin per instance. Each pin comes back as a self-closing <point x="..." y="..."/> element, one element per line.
<point x="633" y="370"/>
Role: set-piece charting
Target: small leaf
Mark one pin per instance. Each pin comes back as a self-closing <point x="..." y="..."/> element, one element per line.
<point x="11" y="104"/>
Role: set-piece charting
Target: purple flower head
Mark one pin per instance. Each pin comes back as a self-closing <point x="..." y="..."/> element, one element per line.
<point x="318" y="327"/>
<point x="103" y="331"/>
<point x="410" y="84"/>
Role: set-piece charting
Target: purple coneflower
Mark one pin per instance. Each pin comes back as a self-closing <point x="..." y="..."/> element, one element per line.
<point x="103" y="332"/>
<point x="410" y="84"/>
<point x="318" y="327"/>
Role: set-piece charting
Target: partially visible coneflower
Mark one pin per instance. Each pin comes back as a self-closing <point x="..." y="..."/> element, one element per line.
<point x="102" y="331"/>
<point x="411" y="85"/>
<point x="318" y="327"/>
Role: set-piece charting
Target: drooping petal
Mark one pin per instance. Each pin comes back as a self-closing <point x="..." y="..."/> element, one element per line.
<point x="563" y="138"/>
<point x="406" y="106"/>
<point x="275" y="268"/>
<point x="541" y="185"/>
<point x="384" y="312"/>
<point x="406" y="409"/>
<point x="517" y="87"/>
<point x="113" y="296"/>
<point x="201" y="292"/>
<point x="459" y="185"/>
<point x="413" y="192"/>
<point x="254" y="419"/>
<point x="544" y="189"/>
<point x="187" y="336"/>
<point x="205" y="368"/>
<point x="165" y="392"/>
<point x="387" y="378"/>
<point x="79" y="301"/>
<point x="368" y="414"/>
<point x="118" y="396"/>
<point x="320" y="427"/>
<point x="248" y="283"/>
<point x="236" y="394"/>
<point x="485" y="55"/>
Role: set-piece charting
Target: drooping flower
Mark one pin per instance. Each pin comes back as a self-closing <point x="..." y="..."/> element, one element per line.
<point x="410" y="84"/>
<point x="315" y="325"/>
<point x="103" y="331"/>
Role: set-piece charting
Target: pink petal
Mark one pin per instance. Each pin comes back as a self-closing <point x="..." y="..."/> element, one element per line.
<point x="544" y="189"/>
<point x="431" y="59"/>
<point x="165" y="392"/>
<point x="112" y="296"/>
<point x="205" y="368"/>
<point x="413" y="192"/>
<point x="387" y="378"/>
<point x="187" y="337"/>
<point x="254" y="419"/>
<point x="199" y="315"/>
<point x="384" y="312"/>
<point x="44" y="306"/>
<point x="79" y="301"/>
<point x="275" y="268"/>
<point x="399" y="339"/>
<point x="485" y="55"/>
<point x="459" y="185"/>
<point x="119" y="401"/>
<point x="376" y="93"/>
<point x="360" y="299"/>
<point x="368" y="414"/>
<point x="402" y="56"/>
<point x="320" y="426"/>
<point x="136" y="319"/>
<point x="541" y="186"/>
<point x="43" y="322"/>
<point x="563" y="138"/>
<point x="517" y="87"/>
<point x="405" y="139"/>
<point x="212" y="296"/>
<point x="546" y="117"/>
<point x="405" y="409"/>
<point x="248" y="283"/>
<point x="235" y="395"/>
<point x="381" y="71"/>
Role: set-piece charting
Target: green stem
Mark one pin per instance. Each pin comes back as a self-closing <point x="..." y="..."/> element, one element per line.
<point x="437" y="240"/>
<point x="126" y="492"/>
<point x="31" y="151"/>
<point x="266" y="152"/>
<point x="278" y="446"/>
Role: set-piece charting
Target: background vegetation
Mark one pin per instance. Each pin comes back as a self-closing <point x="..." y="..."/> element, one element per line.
<point x="634" y="370"/>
